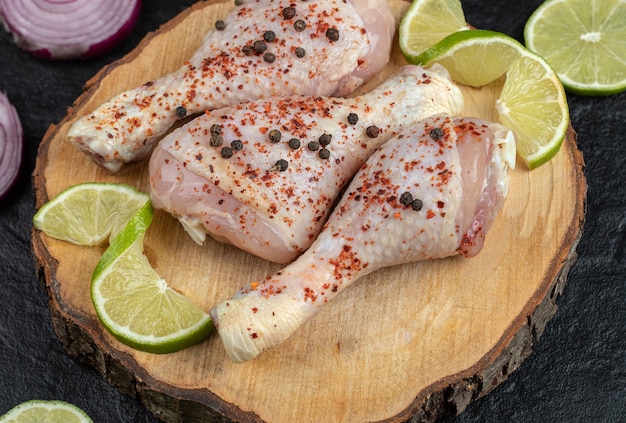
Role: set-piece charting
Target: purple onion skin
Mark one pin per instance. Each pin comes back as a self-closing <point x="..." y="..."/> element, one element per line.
<point x="10" y="154"/>
<point x="95" y="50"/>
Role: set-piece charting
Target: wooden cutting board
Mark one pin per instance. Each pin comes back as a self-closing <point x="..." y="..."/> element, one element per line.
<point x="414" y="341"/>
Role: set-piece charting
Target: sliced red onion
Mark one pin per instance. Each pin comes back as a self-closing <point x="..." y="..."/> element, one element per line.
<point x="68" y="29"/>
<point x="11" y="139"/>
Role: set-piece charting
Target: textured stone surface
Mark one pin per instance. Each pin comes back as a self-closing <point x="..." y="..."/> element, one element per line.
<point x="575" y="372"/>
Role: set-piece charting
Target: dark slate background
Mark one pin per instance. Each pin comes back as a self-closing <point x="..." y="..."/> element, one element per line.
<point x="577" y="372"/>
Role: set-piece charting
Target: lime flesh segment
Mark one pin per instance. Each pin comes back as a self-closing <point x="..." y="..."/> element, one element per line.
<point x="475" y="57"/>
<point x="427" y="22"/>
<point x="584" y="41"/>
<point x="88" y="213"/>
<point x="45" y="412"/>
<point x="135" y="304"/>
<point x="534" y="105"/>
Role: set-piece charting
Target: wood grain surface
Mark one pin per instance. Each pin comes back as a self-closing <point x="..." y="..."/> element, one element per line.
<point x="413" y="341"/>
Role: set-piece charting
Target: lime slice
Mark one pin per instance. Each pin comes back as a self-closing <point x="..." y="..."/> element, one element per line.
<point x="475" y="57"/>
<point x="45" y="412"/>
<point x="86" y="214"/>
<point x="428" y="21"/>
<point x="584" y="41"/>
<point x="131" y="300"/>
<point x="135" y="304"/>
<point x="533" y="104"/>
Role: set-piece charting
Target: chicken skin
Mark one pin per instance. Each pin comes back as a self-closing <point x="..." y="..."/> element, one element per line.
<point x="431" y="192"/>
<point x="263" y="175"/>
<point x="261" y="49"/>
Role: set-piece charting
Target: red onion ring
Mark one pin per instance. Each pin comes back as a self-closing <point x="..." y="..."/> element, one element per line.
<point x="68" y="29"/>
<point x="11" y="139"/>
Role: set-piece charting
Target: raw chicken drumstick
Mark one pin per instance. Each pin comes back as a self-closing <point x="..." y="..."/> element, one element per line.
<point x="261" y="49"/>
<point x="431" y="192"/>
<point x="263" y="175"/>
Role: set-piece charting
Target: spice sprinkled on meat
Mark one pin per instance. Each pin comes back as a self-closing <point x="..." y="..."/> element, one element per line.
<point x="460" y="180"/>
<point x="275" y="209"/>
<point x="258" y="50"/>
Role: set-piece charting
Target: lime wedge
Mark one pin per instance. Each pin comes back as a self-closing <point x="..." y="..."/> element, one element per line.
<point x="475" y="57"/>
<point x="533" y="104"/>
<point x="88" y="213"/>
<point x="428" y="21"/>
<point x="45" y="412"/>
<point x="130" y="299"/>
<point x="584" y="41"/>
<point x="135" y="304"/>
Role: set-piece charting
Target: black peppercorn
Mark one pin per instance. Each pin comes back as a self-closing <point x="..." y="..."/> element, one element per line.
<point x="353" y="118"/>
<point x="216" y="140"/>
<point x="281" y="165"/>
<point x="269" y="36"/>
<point x="236" y="145"/>
<point x="181" y="112"/>
<point x="436" y="133"/>
<point x="299" y="25"/>
<point x="406" y="199"/>
<point x="313" y="145"/>
<point x="216" y="129"/>
<point x="372" y="131"/>
<point x="274" y="136"/>
<point x="324" y="153"/>
<point x="219" y="25"/>
<point x="325" y="139"/>
<point x="332" y="34"/>
<point x="294" y="143"/>
<point x="289" y="12"/>
<point x="226" y="152"/>
<point x="416" y="205"/>
<point x="300" y="52"/>
<point x="269" y="57"/>
<point x="259" y="46"/>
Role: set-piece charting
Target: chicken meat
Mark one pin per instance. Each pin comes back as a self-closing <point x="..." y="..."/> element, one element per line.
<point x="431" y="192"/>
<point x="261" y="49"/>
<point x="263" y="175"/>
